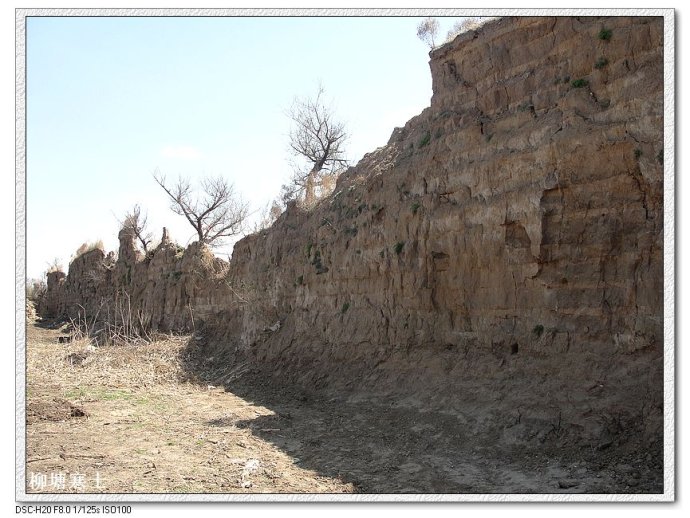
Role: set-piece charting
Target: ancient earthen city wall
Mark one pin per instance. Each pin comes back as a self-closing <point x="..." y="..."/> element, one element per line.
<point x="509" y="237"/>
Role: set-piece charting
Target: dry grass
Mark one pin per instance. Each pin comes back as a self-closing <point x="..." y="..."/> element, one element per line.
<point x="156" y="363"/>
<point x="132" y="420"/>
<point x="88" y="247"/>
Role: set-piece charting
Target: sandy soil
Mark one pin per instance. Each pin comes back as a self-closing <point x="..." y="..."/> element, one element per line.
<point x="134" y="419"/>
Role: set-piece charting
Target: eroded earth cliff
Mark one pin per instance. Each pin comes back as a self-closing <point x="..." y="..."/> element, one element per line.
<point x="501" y="257"/>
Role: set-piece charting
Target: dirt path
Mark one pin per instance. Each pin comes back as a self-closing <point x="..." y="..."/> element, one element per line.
<point x="120" y="420"/>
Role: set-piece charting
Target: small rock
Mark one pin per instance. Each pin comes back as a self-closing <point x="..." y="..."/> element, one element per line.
<point x="605" y="443"/>
<point x="567" y="483"/>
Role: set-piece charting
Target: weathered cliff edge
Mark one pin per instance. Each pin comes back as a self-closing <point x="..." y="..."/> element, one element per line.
<point x="501" y="256"/>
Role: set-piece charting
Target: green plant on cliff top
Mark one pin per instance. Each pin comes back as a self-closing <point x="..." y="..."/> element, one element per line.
<point x="415" y="207"/>
<point x="579" y="83"/>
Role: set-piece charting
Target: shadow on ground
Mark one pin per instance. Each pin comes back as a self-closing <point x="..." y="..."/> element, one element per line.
<point x="382" y="446"/>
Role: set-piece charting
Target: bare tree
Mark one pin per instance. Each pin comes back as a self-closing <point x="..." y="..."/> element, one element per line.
<point x="468" y="24"/>
<point x="427" y="31"/>
<point x="317" y="139"/>
<point x="135" y="222"/>
<point x="55" y="266"/>
<point x="268" y="215"/>
<point x="36" y="289"/>
<point x="215" y="214"/>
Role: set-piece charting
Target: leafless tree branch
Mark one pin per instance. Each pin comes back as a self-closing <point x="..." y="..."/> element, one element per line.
<point x="215" y="214"/>
<point x="318" y="140"/>
<point x="427" y="31"/>
<point x="135" y="222"/>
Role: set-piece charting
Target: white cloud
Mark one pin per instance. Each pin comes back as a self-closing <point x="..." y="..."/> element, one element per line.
<point x="185" y="152"/>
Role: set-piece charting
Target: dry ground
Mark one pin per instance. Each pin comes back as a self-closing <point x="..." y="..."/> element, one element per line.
<point x="131" y="419"/>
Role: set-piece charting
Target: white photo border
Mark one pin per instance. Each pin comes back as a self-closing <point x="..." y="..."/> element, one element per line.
<point x="669" y="260"/>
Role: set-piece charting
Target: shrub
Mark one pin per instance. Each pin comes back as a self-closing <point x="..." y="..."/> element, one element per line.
<point x="316" y="262"/>
<point x="579" y="83"/>
<point x="425" y="139"/>
<point x="88" y="247"/>
<point x="35" y="289"/>
<point x="660" y="157"/>
<point x="601" y="63"/>
<point x="415" y="207"/>
<point x="638" y="153"/>
<point x="468" y="24"/>
<point x="351" y="231"/>
<point x="398" y="247"/>
<point x="345" y="307"/>
<point x="538" y="330"/>
<point x="55" y="266"/>
<point x="605" y="34"/>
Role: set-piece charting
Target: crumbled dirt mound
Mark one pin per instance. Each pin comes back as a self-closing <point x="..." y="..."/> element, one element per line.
<point x="56" y="409"/>
<point x="30" y="311"/>
<point x="77" y="358"/>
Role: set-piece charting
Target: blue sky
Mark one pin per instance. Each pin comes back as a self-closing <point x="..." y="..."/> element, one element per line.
<point x="111" y="99"/>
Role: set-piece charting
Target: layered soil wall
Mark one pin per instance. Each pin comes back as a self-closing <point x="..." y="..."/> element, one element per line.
<point x="502" y="255"/>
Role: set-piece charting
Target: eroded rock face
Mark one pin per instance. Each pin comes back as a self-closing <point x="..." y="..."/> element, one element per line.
<point x="501" y="255"/>
<point x="514" y="229"/>
<point x="51" y="303"/>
